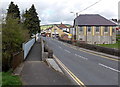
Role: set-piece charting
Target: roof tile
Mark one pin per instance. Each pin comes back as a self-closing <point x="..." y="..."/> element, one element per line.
<point x="93" y="19"/>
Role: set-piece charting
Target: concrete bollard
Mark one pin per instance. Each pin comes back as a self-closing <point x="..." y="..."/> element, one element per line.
<point x="50" y="53"/>
<point x="46" y="48"/>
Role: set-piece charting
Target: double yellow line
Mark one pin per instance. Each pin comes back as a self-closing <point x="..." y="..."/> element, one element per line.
<point x="80" y="83"/>
<point x="106" y="57"/>
<point x="102" y="56"/>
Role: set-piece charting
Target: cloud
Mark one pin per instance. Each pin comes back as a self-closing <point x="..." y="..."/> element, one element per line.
<point x="57" y="11"/>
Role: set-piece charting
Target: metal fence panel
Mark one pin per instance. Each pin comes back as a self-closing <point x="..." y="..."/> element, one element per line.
<point x="27" y="46"/>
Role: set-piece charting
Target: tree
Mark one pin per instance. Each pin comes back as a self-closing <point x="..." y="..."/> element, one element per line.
<point x="13" y="35"/>
<point x="13" y="11"/>
<point x="32" y="21"/>
<point x="11" y="42"/>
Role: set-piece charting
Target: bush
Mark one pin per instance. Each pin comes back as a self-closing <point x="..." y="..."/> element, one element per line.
<point x="99" y="49"/>
<point x="14" y="35"/>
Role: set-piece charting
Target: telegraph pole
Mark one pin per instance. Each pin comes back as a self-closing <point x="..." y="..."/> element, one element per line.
<point x="77" y="13"/>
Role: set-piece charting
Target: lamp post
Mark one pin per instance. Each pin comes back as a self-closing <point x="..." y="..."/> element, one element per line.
<point x="76" y="14"/>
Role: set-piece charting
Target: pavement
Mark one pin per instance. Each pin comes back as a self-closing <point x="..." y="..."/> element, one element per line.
<point x="89" y="68"/>
<point x="35" y="53"/>
<point x="37" y="72"/>
<point x="52" y="63"/>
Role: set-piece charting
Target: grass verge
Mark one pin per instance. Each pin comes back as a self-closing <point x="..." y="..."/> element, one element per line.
<point x="116" y="45"/>
<point x="10" y="80"/>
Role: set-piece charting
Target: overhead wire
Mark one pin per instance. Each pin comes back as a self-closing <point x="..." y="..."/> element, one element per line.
<point x="90" y="6"/>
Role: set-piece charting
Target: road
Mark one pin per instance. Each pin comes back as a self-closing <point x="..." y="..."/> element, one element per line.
<point x="37" y="73"/>
<point x="90" y="69"/>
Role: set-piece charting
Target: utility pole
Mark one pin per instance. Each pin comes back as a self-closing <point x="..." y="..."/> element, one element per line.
<point x="75" y="27"/>
<point x="77" y="13"/>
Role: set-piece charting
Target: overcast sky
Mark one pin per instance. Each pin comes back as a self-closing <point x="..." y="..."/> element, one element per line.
<point x="57" y="11"/>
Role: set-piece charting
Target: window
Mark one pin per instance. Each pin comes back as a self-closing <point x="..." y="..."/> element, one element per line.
<point x="113" y="30"/>
<point x="89" y="29"/>
<point x="97" y="29"/>
<point x="81" y="29"/>
<point x="64" y="29"/>
<point x="106" y="29"/>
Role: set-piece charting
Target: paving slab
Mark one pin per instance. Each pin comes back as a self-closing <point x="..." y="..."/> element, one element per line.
<point x="54" y="65"/>
<point x="35" y="53"/>
<point x="37" y="72"/>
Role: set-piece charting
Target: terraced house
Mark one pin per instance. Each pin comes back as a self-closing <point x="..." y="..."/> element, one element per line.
<point x="94" y="29"/>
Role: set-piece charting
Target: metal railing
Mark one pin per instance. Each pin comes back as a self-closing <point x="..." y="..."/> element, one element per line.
<point x="27" y="47"/>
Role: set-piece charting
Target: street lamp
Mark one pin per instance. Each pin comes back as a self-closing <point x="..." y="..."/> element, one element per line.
<point x="76" y="14"/>
<point x="76" y="27"/>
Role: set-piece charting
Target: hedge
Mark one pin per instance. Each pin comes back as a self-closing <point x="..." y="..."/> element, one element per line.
<point x="106" y="50"/>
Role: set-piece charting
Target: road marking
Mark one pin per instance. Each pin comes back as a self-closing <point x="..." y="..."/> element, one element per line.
<point x="105" y="57"/>
<point x="70" y="73"/>
<point x="67" y="51"/>
<point x="109" y="67"/>
<point x="81" y="57"/>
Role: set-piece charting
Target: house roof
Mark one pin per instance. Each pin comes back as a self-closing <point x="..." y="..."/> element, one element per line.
<point x="49" y="28"/>
<point x="62" y="26"/>
<point x="92" y="19"/>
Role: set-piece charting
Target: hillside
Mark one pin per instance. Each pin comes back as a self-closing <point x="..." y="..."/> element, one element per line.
<point x="43" y="27"/>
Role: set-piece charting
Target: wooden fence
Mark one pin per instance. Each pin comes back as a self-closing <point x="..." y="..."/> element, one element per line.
<point x="17" y="59"/>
